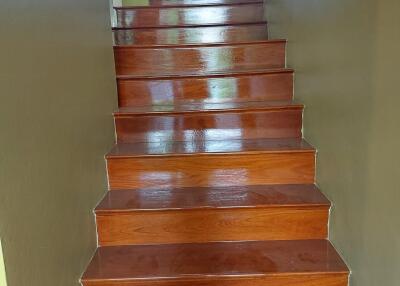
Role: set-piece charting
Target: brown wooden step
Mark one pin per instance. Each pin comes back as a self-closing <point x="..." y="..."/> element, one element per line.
<point x="209" y="121"/>
<point x="192" y="60"/>
<point x="183" y="215"/>
<point x="257" y="85"/>
<point x="191" y="35"/>
<point x="205" y="163"/>
<point x="145" y="17"/>
<point x="255" y="263"/>
<point x="184" y="3"/>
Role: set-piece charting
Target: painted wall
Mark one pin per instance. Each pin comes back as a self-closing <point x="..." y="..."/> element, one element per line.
<point x="346" y="56"/>
<point x="57" y="92"/>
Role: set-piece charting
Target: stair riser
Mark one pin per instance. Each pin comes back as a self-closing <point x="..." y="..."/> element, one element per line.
<point x="190" y="16"/>
<point x="199" y="35"/>
<point x="169" y="3"/>
<point x="239" y="88"/>
<point x="211" y="170"/>
<point x="209" y="126"/>
<point x="194" y="60"/>
<point x="152" y="227"/>
<point x="338" y="279"/>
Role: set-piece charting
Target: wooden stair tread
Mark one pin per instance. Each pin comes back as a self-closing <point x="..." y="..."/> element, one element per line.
<point x="186" y="3"/>
<point x="180" y="148"/>
<point x="212" y="197"/>
<point x="213" y="74"/>
<point x="189" y="16"/>
<point x="215" y="259"/>
<point x="207" y="107"/>
<point x="190" y="35"/>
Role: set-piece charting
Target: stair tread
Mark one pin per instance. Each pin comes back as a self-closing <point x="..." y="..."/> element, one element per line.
<point x="212" y="197"/>
<point x="210" y="74"/>
<point x="196" y="107"/>
<point x="216" y="259"/>
<point x="160" y="37"/>
<point x="183" y="148"/>
<point x="189" y="46"/>
<point x="185" y="3"/>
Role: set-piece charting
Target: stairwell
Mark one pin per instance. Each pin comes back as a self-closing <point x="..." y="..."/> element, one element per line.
<point x="210" y="180"/>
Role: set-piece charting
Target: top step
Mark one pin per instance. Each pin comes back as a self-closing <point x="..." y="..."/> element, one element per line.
<point x="189" y="16"/>
<point x="185" y="3"/>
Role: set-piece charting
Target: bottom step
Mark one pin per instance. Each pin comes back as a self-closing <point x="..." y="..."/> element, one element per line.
<point x="256" y="263"/>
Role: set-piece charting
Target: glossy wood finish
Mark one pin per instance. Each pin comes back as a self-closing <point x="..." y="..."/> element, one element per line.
<point x="212" y="214"/>
<point x="179" y="3"/>
<point x="239" y="87"/>
<point x="223" y="263"/>
<point x="220" y="157"/>
<point x="186" y="60"/>
<point x="191" y="35"/>
<point x="211" y="163"/>
<point x="197" y="198"/>
<point x="189" y="16"/>
<point x="247" y="120"/>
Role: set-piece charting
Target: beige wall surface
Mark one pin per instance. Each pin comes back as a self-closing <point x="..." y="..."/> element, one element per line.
<point x="57" y="92"/>
<point x="346" y="56"/>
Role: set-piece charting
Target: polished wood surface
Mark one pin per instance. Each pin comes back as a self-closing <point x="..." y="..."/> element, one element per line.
<point x="186" y="60"/>
<point x="212" y="214"/>
<point x="255" y="86"/>
<point x="184" y="264"/>
<point x="210" y="182"/>
<point x="123" y="201"/>
<point x="219" y="165"/>
<point x="191" y="35"/>
<point x="247" y="120"/>
<point x="209" y="147"/>
<point x="179" y="3"/>
<point x="189" y="16"/>
<point x="213" y="225"/>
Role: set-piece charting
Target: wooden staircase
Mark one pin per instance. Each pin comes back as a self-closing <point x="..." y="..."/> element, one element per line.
<point x="210" y="182"/>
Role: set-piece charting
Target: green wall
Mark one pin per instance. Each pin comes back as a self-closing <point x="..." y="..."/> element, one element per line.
<point x="346" y="56"/>
<point x="57" y="93"/>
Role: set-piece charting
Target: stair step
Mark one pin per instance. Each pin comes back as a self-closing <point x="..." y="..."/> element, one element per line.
<point x="206" y="163"/>
<point x="256" y="85"/>
<point x="256" y="263"/>
<point x="189" y="60"/>
<point x="185" y="215"/>
<point x="191" y="36"/>
<point x="185" y="3"/>
<point x="209" y="121"/>
<point x="184" y="16"/>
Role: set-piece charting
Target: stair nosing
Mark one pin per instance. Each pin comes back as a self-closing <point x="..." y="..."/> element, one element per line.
<point x="186" y="5"/>
<point x="209" y="75"/>
<point x="116" y="157"/>
<point x="187" y="26"/>
<point x="257" y="23"/>
<point x="189" y="46"/>
<point x="304" y="206"/>
<point x="197" y="277"/>
<point x="276" y="108"/>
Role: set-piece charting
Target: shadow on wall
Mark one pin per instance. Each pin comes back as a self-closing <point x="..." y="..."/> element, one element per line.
<point x="345" y="54"/>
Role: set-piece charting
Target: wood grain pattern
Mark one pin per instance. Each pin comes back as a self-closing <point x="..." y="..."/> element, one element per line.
<point x="189" y="16"/>
<point x="240" y="87"/>
<point x="212" y="225"/>
<point x="211" y="170"/>
<point x="252" y="263"/>
<point x="187" y="60"/>
<point x="209" y="122"/>
<point x="212" y="214"/>
<point x="191" y="35"/>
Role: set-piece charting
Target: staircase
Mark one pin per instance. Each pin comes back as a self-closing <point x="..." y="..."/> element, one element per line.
<point x="210" y="182"/>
